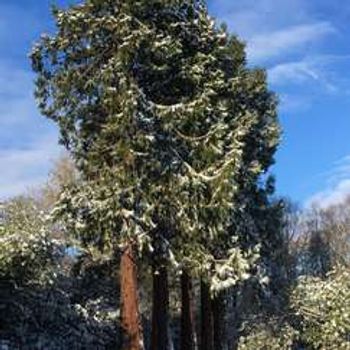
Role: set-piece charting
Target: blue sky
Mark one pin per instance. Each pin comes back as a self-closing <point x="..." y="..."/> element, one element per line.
<point x="302" y="43"/>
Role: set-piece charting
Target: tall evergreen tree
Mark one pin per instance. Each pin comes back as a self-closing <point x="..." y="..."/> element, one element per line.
<point x="168" y="128"/>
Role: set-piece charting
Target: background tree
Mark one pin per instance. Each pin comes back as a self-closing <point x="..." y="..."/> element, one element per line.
<point x="324" y="238"/>
<point x="334" y="224"/>
<point x="62" y="175"/>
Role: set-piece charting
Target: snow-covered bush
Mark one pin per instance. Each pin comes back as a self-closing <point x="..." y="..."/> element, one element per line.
<point x="268" y="334"/>
<point x="324" y="308"/>
<point x="44" y="302"/>
<point x="27" y="250"/>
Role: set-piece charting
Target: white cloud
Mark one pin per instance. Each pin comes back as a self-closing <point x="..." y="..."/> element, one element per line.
<point x="272" y="29"/>
<point x="286" y="36"/>
<point x="285" y="41"/>
<point x="291" y="103"/>
<point x="28" y="144"/>
<point x="23" y="168"/>
<point x="251" y="17"/>
<point x="17" y="106"/>
<point x="317" y="75"/>
<point x="332" y="196"/>
<point x="340" y="172"/>
<point x="286" y="73"/>
<point x="14" y="81"/>
<point x="308" y="70"/>
<point x="338" y="188"/>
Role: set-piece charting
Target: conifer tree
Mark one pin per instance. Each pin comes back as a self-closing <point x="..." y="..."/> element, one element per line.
<point x="168" y="127"/>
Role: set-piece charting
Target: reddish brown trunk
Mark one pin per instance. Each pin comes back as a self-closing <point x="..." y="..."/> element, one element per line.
<point x="188" y="335"/>
<point x="130" y="315"/>
<point x="207" y="322"/>
<point x="160" y="314"/>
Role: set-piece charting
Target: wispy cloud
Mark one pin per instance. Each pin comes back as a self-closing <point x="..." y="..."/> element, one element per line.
<point x="338" y="186"/>
<point x="293" y="72"/>
<point x="249" y="18"/>
<point x="273" y="30"/>
<point x="28" y="143"/>
<point x="290" y="103"/>
<point x="340" y="171"/>
<point x="287" y="37"/>
<point x="20" y="121"/>
<point x="17" y="106"/>
<point x="308" y="70"/>
<point x="24" y="168"/>
<point x="313" y="71"/>
<point x="332" y="196"/>
<point x="285" y="41"/>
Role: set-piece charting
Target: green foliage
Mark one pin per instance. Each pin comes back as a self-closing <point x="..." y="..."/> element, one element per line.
<point x="234" y="269"/>
<point x="48" y="318"/>
<point x="324" y="306"/>
<point x="268" y="334"/>
<point x="166" y="124"/>
<point x="27" y="253"/>
<point x="43" y="305"/>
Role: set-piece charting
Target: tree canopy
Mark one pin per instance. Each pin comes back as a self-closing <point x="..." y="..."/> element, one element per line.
<point x="164" y="119"/>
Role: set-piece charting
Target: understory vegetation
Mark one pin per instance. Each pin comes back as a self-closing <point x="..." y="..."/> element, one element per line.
<point x="56" y="293"/>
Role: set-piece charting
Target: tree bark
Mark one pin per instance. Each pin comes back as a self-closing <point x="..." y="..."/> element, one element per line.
<point x="160" y="313"/>
<point x="130" y="315"/>
<point x="226" y="320"/>
<point x="220" y="322"/>
<point x="207" y="322"/>
<point x="188" y="333"/>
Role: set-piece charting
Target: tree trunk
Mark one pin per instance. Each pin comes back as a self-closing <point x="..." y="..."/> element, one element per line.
<point x="207" y="323"/>
<point x="188" y="333"/>
<point x="130" y="315"/>
<point x="160" y="313"/>
<point x="221" y="341"/>
<point x="227" y="320"/>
